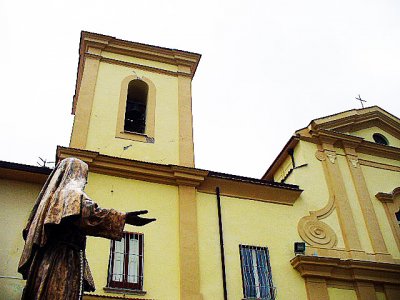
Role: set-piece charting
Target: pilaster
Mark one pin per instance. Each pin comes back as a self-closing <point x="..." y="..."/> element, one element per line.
<point x="186" y="147"/>
<point x="85" y="93"/>
<point x="365" y="290"/>
<point x="188" y="244"/>
<point x="345" y="216"/>
<point x="371" y="220"/>
<point x="316" y="288"/>
<point x="392" y="292"/>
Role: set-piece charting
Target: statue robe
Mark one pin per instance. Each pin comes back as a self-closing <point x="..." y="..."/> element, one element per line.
<point x="53" y="260"/>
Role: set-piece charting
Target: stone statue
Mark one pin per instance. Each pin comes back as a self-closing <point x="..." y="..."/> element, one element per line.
<point x="53" y="260"/>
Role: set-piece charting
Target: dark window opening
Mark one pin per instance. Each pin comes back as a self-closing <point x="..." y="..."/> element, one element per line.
<point x="136" y="102"/>
<point x="256" y="273"/>
<point x="380" y="139"/>
<point x="125" y="268"/>
<point x="398" y="217"/>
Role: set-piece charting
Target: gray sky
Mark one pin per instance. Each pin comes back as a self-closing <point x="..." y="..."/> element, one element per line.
<point x="267" y="68"/>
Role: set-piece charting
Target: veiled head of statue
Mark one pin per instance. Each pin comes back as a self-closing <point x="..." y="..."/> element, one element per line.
<point x="70" y="173"/>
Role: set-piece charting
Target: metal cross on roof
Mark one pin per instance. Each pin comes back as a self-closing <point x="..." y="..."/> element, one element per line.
<point x="361" y="100"/>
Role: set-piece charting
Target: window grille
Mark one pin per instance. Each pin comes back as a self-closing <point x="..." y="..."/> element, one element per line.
<point x="256" y="273"/>
<point x="125" y="269"/>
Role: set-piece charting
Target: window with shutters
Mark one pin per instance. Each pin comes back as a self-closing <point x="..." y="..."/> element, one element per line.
<point x="256" y="273"/>
<point x="125" y="269"/>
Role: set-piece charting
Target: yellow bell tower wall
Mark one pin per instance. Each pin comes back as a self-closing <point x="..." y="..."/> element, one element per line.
<point x="106" y="68"/>
<point x="103" y="121"/>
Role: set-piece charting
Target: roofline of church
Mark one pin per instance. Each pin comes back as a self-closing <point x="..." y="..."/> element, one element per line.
<point x="22" y="172"/>
<point x="355" y="111"/>
<point x="385" y="151"/>
<point x="204" y="180"/>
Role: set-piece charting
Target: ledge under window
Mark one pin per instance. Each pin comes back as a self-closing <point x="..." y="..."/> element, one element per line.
<point x="124" y="291"/>
<point x="135" y="136"/>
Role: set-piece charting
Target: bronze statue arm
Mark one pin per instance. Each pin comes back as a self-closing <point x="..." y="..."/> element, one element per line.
<point x="133" y="218"/>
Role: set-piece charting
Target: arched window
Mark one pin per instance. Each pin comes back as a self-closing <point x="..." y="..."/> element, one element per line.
<point x="136" y="109"/>
<point x="136" y="104"/>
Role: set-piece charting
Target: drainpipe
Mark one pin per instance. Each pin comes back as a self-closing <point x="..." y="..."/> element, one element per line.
<point x="221" y="243"/>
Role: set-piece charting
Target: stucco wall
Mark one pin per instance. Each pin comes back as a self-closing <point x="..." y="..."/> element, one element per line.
<point x="161" y="238"/>
<point x="252" y="223"/>
<point x="17" y="199"/>
<point x="103" y="120"/>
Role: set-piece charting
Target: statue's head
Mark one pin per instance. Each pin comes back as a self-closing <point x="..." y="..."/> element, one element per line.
<point x="71" y="173"/>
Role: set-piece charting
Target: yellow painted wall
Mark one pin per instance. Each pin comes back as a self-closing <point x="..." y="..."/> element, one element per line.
<point x="368" y="132"/>
<point x="313" y="181"/>
<point x="161" y="239"/>
<point x="17" y="199"/>
<point x="341" y="294"/>
<point x="103" y="121"/>
<point x="383" y="181"/>
<point x="247" y="222"/>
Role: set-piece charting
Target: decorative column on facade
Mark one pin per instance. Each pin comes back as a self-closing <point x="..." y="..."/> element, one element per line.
<point x="345" y="216"/>
<point x="188" y="244"/>
<point x="371" y="221"/>
<point x="317" y="288"/>
<point x="186" y="147"/>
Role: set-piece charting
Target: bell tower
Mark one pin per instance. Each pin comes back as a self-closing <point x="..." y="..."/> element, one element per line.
<point x="134" y="101"/>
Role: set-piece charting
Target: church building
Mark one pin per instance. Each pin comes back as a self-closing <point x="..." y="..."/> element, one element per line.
<point x="321" y="224"/>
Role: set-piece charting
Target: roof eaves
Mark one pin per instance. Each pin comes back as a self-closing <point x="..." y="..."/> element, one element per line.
<point x="24" y="168"/>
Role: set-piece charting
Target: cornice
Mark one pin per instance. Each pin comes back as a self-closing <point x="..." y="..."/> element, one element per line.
<point x="388" y="197"/>
<point x="204" y="181"/>
<point x="342" y="140"/>
<point x="348" y="119"/>
<point x="251" y="189"/>
<point x="346" y="270"/>
<point x="126" y="168"/>
<point x="92" y="44"/>
<point x="136" y="66"/>
<point x="138" y="50"/>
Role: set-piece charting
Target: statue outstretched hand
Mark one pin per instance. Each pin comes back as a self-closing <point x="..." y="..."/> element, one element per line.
<point x="133" y="218"/>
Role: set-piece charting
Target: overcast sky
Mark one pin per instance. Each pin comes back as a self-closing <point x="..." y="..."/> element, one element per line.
<point x="267" y="68"/>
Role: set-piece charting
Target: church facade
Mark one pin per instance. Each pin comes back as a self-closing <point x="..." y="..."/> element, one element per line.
<point x="334" y="188"/>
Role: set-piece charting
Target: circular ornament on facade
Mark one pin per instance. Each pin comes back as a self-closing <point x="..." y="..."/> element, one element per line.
<point x="380" y="139"/>
<point x="316" y="233"/>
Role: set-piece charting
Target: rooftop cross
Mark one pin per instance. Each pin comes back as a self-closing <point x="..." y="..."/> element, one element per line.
<point x="361" y="100"/>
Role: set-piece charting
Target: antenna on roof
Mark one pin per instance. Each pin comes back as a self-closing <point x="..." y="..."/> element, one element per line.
<point x="361" y="100"/>
<point x="44" y="162"/>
